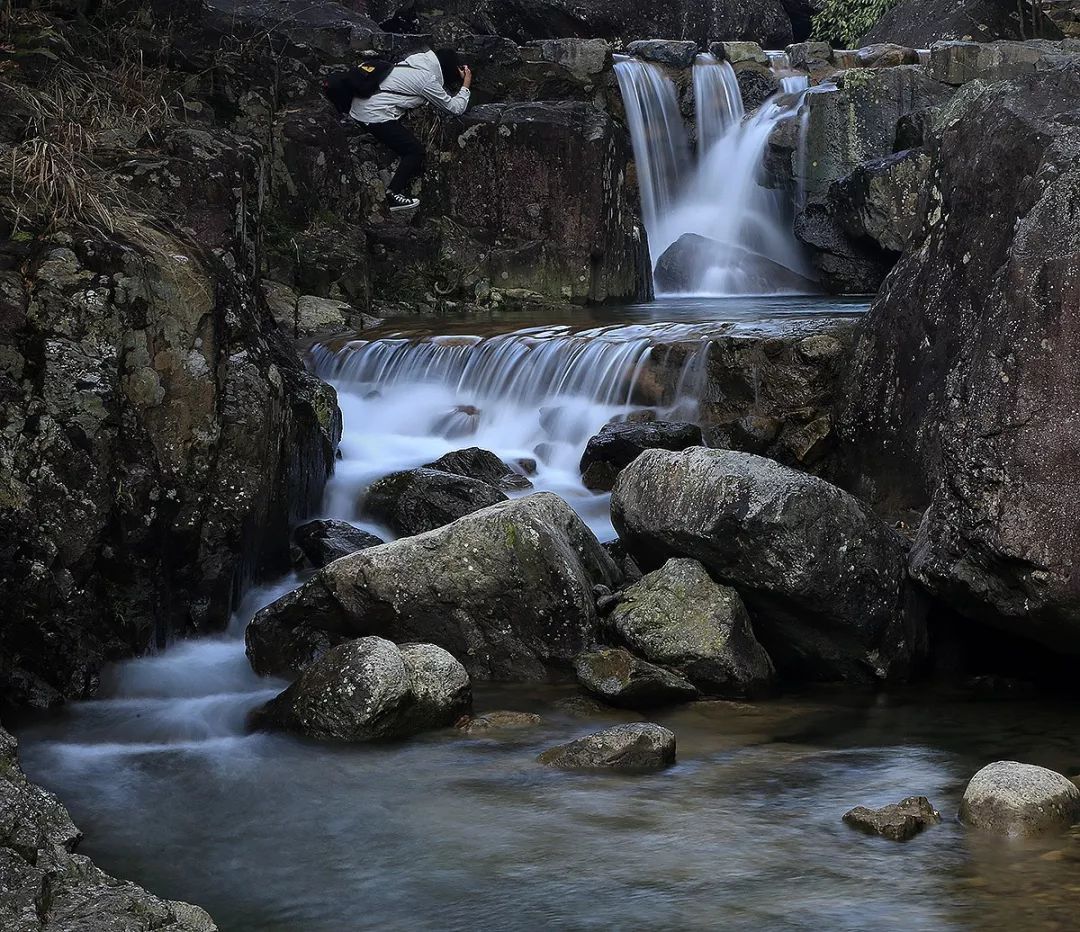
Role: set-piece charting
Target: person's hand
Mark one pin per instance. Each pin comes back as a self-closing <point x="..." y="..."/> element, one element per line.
<point x="466" y="76"/>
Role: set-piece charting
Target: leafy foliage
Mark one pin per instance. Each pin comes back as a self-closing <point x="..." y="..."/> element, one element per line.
<point x="843" y="22"/>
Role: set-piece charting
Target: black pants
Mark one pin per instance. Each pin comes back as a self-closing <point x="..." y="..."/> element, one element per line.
<point x="398" y="138"/>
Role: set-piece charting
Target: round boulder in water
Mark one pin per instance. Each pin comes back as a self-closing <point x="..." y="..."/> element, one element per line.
<point x="370" y="689"/>
<point x="482" y="465"/>
<point x="325" y="541"/>
<point x="679" y="617"/>
<point x="1008" y="798"/>
<point x="418" y="500"/>
<point x="618" y="677"/>
<point x="638" y="747"/>
<point x="618" y="445"/>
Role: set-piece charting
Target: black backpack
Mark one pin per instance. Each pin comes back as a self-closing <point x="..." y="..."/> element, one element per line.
<point x="362" y="81"/>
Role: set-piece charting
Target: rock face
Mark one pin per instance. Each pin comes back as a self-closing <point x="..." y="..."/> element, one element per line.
<point x="1008" y="798"/>
<point x="507" y="590"/>
<point x="482" y="465"/>
<point x="158" y="436"/>
<point x="325" y="541"/>
<point x="900" y="821"/>
<point x="46" y="886"/>
<point x="370" y="689"/>
<point x="679" y="618"/>
<point x="825" y="578"/>
<point x="419" y="500"/>
<point x="921" y="23"/>
<point x="618" y="445"/>
<point x="639" y="747"/>
<point x="619" y="678"/>
<point x="963" y="396"/>
<point x="537" y="220"/>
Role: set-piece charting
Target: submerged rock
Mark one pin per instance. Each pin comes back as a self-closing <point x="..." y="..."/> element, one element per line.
<point x="44" y="885"/>
<point x="1008" y="798"/>
<point x="418" y="500"/>
<point x="899" y="821"/>
<point x="618" y="445"/>
<point x="619" y="678"/>
<point x="489" y="722"/>
<point x="507" y="590"/>
<point x="369" y="689"/>
<point x="481" y="465"/>
<point x="325" y="541"/>
<point x="826" y="579"/>
<point x="678" y="617"/>
<point x="638" y="747"/>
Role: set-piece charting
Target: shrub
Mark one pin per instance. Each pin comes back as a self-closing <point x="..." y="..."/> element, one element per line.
<point x="843" y="22"/>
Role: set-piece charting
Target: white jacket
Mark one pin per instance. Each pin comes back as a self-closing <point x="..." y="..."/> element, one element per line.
<point x="417" y="80"/>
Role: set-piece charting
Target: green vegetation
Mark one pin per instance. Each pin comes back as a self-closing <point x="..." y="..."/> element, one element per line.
<point x="843" y="22"/>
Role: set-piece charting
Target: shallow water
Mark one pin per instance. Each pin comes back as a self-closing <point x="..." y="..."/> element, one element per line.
<point x="448" y="832"/>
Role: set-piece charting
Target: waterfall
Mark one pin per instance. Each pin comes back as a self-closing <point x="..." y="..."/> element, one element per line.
<point x="716" y="230"/>
<point x="533" y="396"/>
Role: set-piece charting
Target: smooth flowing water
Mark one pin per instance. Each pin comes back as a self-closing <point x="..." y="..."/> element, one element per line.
<point x="275" y="834"/>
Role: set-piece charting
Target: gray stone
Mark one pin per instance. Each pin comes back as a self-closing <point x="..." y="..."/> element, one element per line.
<point x="370" y="689"/>
<point x="324" y="541"/>
<point x="619" y="678"/>
<point x="581" y="56"/>
<point x="637" y="747"/>
<point x="961" y="62"/>
<point x="899" y="822"/>
<point x="825" y="578"/>
<point x="482" y="465"/>
<point x="679" y="618"/>
<point x="885" y="55"/>
<point x="685" y="262"/>
<point x="676" y="55"/>
<point x="1008" y="798"/>
<point x="417" y="500"/>
<point x="883" y="199"/>
<point x="617" y="445"/>
<point x="809" y="56"/>
<point x="507" y="590"/>
<point x="736" y="52"/>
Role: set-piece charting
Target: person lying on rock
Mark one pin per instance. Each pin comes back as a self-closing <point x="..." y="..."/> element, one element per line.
<point x="419" y="79"/>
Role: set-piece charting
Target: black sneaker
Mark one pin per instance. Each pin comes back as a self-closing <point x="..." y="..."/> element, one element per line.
<point x="401" y="202"/>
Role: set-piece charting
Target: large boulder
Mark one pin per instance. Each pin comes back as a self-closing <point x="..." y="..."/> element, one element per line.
<point x="507" y="590"/>
<point x="46" y="886"/>
<point x="678" y="617"/>
<point x="638" y="747"/>
<point x="964" y="402"/>
<point x="370" y="689"/>
<point x="825" y="578"/>
<point x="619" y="678"/>
<point x="540" y="190"/>
<point x="418" y="500"/>
<point x="617" y="445"/>
<point x="921" y="23"/>
<point x="482" y="465"/>
<point x="1008" y="798"/>
<point x="686" y="264"/>
<point x="325" y="540"/>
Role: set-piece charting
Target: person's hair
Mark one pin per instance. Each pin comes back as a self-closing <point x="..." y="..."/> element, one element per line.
<point x="450" y="61"/>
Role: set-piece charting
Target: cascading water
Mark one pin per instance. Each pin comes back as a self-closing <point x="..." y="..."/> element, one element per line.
<point x="734" y="235"/>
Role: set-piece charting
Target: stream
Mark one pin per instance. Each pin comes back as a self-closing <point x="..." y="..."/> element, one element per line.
<point x="271" y="833"/>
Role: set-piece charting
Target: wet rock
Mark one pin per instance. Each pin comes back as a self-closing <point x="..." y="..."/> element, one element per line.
<point x="679" y="618"/>
<point x="507" y="590"/>
<point x="1008" y="798"/>
<point x="686" y="262"/>
<point x="900" y="821"/>
<point x="618" y="445"/>
<point x="638" y="747"/>
<point x="886" y="55"/>
<point x="757" y="84"/>
<point x="824" y="577"/>
<point x="481" y="465"/>
<point x="325" y="541"/>
<point x="739" y="52"/>
<point x="462" y="421"/>
<point x="619" y="678"/>
<point x="677" y="55"/>
<point x="960" y="406"/>
<point x="418" y="500"/>
<point x="47" y="886"/>
<point x="370" y="689"/>
<point x="500" y="721"/>
<point x="921" y="23"/>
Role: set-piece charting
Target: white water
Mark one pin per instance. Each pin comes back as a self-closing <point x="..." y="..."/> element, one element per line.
<point x="749" y="245"/>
